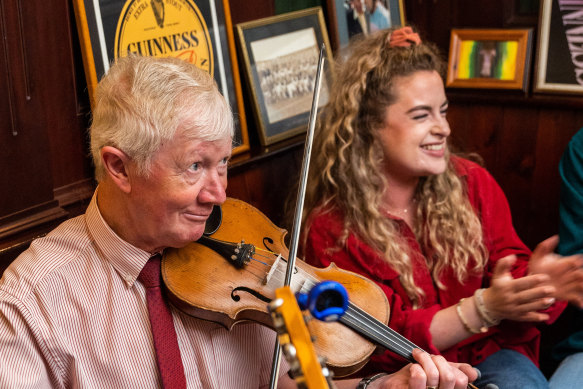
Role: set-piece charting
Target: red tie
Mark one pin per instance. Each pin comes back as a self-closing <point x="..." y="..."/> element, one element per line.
<point x="165" y="340"/>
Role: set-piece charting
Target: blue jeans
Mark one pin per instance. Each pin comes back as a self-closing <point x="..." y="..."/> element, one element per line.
<point x="510" y="369"/>
<point x="569" y="374"/>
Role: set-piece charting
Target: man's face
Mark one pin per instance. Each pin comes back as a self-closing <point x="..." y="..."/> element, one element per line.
<point x="187" y="178"/>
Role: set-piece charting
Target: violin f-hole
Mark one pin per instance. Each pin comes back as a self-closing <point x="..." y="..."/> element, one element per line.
<point x="255" y="293"/>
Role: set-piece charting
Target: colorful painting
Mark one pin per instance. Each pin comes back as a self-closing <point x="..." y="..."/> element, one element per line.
<point x="494" y="59"/>
<point x="489" y="58"/>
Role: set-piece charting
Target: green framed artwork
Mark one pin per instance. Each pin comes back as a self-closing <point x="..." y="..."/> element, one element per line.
<point x="494" y="58"/>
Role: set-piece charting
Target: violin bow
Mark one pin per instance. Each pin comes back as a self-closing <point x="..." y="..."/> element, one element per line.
<point x="295" y="236"/>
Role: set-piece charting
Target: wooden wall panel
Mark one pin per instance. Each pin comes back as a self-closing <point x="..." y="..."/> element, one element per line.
<point x="24" y="153"/>
<point x="67" y="111"/>
<point x="269" y="183"/>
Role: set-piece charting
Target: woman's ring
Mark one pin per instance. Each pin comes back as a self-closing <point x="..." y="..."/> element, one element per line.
<point x="431" y="387"/>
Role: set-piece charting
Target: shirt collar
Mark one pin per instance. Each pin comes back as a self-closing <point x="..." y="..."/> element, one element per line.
<point x="125" y="258"/>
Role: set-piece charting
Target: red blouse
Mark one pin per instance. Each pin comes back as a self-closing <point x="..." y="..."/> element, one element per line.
<point x="500" y="239"/>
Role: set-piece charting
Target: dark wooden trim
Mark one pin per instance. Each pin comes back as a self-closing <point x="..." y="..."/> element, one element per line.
<point x="32" y="217"/>
<point x="75" y="192"/>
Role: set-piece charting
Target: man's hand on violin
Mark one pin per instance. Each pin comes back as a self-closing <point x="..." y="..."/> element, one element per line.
<point x="430" y="371"/>
<point x="565" y="273"/>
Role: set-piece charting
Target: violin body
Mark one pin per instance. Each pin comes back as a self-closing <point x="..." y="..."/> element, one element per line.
<point x="204" y="284"/>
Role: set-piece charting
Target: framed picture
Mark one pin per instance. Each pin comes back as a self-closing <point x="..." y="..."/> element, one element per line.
<point x="281" y="60"/>
<point x="358" y="17"/>
<point x="521" y="12"/>
<point x="199" y="31"/>
<point x="559" y="66"/>
<point x="498" y="59"/>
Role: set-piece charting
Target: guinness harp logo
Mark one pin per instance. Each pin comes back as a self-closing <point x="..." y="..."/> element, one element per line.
<point x="164" y="28"/>
<point x="158" y="8"/>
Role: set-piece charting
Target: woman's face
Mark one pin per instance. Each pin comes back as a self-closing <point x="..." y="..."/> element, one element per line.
<point x="415" y="132"/>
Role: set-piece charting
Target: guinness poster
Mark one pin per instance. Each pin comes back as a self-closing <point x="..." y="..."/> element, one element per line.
<point x="560" y="54"/>
<point x="198" y="31"/>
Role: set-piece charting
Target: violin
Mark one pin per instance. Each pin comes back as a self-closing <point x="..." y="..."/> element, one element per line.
<point x="230" y="275"/>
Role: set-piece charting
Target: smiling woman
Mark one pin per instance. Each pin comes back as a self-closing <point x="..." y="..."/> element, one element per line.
<point x="387" y="199"/>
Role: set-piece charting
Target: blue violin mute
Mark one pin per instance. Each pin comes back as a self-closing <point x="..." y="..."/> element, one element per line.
<point x="326" y="301"/>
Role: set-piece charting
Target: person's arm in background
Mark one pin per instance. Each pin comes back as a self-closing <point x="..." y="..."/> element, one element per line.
<point x="570" y="350"/>
<point x="571" y="198"/>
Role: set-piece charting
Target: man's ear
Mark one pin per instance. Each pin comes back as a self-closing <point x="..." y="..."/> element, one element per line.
<point x="116" y="163"/>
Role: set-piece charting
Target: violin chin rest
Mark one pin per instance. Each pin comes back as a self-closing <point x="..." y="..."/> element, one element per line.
<point x="214" y="221"/>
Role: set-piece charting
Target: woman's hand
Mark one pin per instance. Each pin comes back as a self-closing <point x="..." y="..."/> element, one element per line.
<point x="565" y="273"/>
<point x="431" y="371"/>
<point x="518" y="299"/>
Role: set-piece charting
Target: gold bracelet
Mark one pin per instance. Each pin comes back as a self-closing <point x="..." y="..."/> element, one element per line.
<point x="458" y="309"/>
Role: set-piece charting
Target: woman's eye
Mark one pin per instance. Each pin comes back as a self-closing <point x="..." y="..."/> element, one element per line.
<point x="420" y="117"/>
<point x="195" y="166"/>
<point x="225" y="161"/>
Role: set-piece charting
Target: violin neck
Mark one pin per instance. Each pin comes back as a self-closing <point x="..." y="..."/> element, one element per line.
<point x="377" y="332"/>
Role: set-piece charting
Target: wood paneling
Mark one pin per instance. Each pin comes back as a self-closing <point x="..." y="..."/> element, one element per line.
<point x="42" y="132"/>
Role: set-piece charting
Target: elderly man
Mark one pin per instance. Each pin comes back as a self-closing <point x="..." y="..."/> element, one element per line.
<point x="82" y="307"/>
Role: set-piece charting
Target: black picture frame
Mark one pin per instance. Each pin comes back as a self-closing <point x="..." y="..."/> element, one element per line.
<point x="164" y="28"/>
<point x="290" y="44"/>
<point x="521" y="12"/>
<point x="559" y="68"/>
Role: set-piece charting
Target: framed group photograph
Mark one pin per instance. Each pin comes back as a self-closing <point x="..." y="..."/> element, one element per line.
<point x="354" y="18"/>
<point x="198" y="31"/>
<point x="559" y="65"/>
<point x="489" y="58"/>
<point x="281" y="60"/>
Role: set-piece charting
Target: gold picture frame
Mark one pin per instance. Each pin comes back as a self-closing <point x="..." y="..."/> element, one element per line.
<point x="489" y="58"/>
<point x="199" y="31"/>
<point x="281" y="57"/>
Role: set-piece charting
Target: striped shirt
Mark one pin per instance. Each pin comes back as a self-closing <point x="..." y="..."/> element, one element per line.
<point x="73" y="316"/>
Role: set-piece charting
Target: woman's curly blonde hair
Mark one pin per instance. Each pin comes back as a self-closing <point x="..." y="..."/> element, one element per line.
<point x="347" y="171"/>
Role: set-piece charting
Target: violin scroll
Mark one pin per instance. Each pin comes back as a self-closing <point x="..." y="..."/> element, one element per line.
<point x="308" y="370"/>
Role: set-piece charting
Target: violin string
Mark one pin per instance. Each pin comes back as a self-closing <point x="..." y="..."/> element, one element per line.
<point x="376" y="331"/>
<point x="257" y="260"/>
<point x="380" y="327"/>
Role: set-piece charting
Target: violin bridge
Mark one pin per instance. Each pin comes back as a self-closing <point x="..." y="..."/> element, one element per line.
<point x="271" y="272"/>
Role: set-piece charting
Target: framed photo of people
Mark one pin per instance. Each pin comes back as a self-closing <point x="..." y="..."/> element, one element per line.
<point x="355" y="18"/>
<point x="559" y="65"/>
<point x="489" y="58"/>
<point x="198" y="31"/>
<point x="281" y="60"/>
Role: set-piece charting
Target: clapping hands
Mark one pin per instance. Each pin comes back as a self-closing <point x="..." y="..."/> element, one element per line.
<point x="550" y="277"/>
